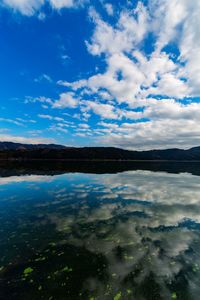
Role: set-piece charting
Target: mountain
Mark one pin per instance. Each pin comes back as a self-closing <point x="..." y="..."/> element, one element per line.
<point x="15" y="151"/>
<point x="19" y="146"/>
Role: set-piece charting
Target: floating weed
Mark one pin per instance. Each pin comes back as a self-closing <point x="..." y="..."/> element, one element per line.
<point x="56" y="272"/>
<point x="126" y="257"/>
<point x="63" y="284"/>
<point x="91" y="298"/>
<point x="1" y="269"/>
<point x="40" y="259"/>
<point x="174" y="296"/>
<point x="40" y="288"/>
<point x="66" y="269"/>
<point x="118" y="296"/>
<point x="195" y="267"/>
<point x="52" y="244"/>
<point x="130" y="243"/>
<point x="28" y="271"/>
<point x="129" y="292"/>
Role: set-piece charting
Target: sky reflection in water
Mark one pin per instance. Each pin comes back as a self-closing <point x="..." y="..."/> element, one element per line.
<point x="131" y="235"/>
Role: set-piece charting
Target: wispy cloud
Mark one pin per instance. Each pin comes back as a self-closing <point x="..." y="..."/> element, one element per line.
<point x="31" y="7"/>
<point x="26" y="140"/>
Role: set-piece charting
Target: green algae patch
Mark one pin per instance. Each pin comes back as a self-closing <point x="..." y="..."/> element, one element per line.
<point x="174" y="296"/>
<point x="52" y="244"/>
<point x="129" y="292"/>
<point x="195" y="268"/>
<point x="126" y="257"/>
<point x="66" y="269"/>
<point x="40" y="259"/>
<point x="28" y="271"/>
<point x="118" y="296"/>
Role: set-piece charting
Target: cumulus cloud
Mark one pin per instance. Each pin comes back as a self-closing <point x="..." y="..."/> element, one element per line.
<point x="109" y="9"/>
<point x="25" y="7"/>
<point x="106" y="111"/>
<point x="66" y="100"/>
<point x="58" y="4"/>
<point x="30" y="7"/>
<point x="150" y="89"/>
<point x="150" y="76"/>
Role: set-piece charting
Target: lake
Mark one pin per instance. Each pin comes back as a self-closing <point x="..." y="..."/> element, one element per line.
<point x="100" y="231"/>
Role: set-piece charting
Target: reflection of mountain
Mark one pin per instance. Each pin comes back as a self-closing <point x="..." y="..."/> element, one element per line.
<point x="16" y="168"/>
<point x="23" y="151"/>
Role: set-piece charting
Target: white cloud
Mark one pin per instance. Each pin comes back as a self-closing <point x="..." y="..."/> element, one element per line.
<point x="154" y="134"/>
<point x="30" y="7"/>
<point x="49" y="117"/>
<point x="66" y="100"/>
<point x="26" y="140"/>
<point x="58" y="4"/>
<point x="12" y="121"/>
<point x="85" y="126"/>
<point x="109" y="9"/>
<point x="178" y="21"/>
<point x="43" y="77"/>
<point x="128" y="32"/>
<point x="106" y="111"/>
<point x="130" y="74"/>
<point x="25" y="7"/>
<point x="133" y="78"/>
<point x="43" y="100"/>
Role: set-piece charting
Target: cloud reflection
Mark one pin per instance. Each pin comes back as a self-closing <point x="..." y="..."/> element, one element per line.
<point x="145" y="224"/>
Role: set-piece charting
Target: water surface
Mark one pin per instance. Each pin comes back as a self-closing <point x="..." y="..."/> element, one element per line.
<point x="127" y="235"/>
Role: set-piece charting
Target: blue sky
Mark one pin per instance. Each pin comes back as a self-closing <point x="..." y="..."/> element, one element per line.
<point x="92" y="73"/>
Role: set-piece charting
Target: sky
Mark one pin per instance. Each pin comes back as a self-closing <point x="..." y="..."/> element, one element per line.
<point x="100" y="73"/>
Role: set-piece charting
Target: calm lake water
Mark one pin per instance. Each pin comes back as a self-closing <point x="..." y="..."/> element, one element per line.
<point x="124" y="233"/>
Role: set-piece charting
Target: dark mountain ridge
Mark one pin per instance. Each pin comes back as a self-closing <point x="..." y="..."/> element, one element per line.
<point x="19" y="151"/>
<point x="19" y="146"/>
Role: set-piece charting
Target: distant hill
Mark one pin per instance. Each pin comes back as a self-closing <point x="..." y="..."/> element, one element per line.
<point x="10" y="150"/>
<point x="19" y="146"/>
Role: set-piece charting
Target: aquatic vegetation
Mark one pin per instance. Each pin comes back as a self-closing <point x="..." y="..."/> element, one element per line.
<point x="110" y="251"/>
<point x="174" y="296"/>
<point x="28" y="271"/>
<point x="118" y="296"/>
<point x="66" y="269"/>
<point x="40" y="259"/>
